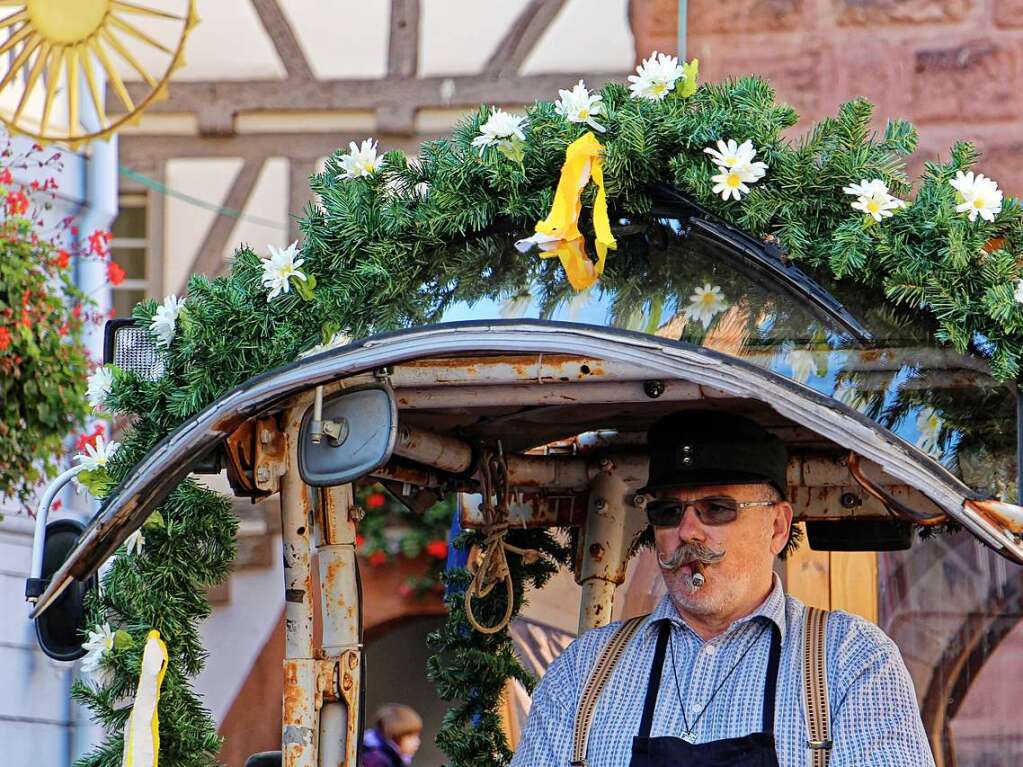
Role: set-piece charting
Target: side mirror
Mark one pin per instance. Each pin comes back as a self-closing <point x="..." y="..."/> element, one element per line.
<point x="354" y="434"/>
<point x="60" y="630"/>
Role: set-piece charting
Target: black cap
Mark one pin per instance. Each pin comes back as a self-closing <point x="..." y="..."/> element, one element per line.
<point x="706" y="447"/>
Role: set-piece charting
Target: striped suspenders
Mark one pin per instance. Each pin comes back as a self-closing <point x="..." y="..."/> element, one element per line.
<point x="815" y="688"/>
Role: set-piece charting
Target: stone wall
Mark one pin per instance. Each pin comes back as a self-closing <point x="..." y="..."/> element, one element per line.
<point x="953" y="67"/>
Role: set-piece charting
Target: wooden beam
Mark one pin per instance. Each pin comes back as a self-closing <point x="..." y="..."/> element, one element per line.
<point x="403" y="40"/>
<point x="522" y="37"/>
<point x="217" y="102"/>
<point x="299" y="193"/>
<point x="278" y="28"/>
<point x="209" y="259"/>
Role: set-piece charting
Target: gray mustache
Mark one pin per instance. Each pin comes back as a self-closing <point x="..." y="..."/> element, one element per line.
<point x="691" y="552"/>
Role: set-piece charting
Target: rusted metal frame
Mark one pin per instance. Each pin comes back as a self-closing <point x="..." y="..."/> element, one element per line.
<point x="279" y="30"/>
<point x="299" y="721"/>
<point x="552" y="395"/>
<point x="612" y="524"/>
<point x="209" y="259"/>
<point x="890" y="502"/>
<point x="341" y="610"/>
<point x="163" y="467"/>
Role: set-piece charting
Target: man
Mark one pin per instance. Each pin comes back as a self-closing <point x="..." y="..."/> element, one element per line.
<point x="694" y="686"/>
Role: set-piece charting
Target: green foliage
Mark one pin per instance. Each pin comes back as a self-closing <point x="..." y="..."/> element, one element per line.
<point x="398" y="247"/>
<point x="43" y="366"/>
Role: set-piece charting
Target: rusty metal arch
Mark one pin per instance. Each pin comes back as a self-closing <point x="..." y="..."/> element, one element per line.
<point x="155" y="476"/>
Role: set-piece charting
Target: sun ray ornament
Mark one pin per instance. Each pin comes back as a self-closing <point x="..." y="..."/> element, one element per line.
<point x="558" y="234"/>
<point x="63" y="54"/>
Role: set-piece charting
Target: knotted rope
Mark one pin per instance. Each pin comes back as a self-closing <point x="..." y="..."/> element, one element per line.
<point x="491" y="566"/>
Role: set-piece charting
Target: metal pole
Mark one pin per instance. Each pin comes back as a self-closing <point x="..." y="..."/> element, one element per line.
<point x="299" y="726"/>
<point x="611" y="526"/>
<point x="683" y="17"/>
<point x="341" y="603"/>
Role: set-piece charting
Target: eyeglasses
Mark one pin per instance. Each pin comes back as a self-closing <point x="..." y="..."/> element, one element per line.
<point x="718" y="510"/>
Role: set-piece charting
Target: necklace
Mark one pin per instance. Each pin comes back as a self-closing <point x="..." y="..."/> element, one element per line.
<point x="688" y="734"/>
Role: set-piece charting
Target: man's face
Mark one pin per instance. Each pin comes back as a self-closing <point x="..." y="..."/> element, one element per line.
<point x="747" y="548"/>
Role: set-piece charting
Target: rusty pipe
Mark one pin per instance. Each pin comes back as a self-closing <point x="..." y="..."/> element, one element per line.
<point x="890" y="502"/>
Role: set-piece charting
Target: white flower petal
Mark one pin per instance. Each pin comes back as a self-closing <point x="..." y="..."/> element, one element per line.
<point x="99" y="385"/>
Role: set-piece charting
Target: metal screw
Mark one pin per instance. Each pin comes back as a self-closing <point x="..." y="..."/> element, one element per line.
<point x="850" y="500"/>
<point x="653" y="389"/>
<point x="639" y="500"/>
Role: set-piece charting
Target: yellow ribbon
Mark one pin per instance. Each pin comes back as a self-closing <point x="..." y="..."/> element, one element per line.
<point x="142" y="731"/>
<point x="558" y="234"/>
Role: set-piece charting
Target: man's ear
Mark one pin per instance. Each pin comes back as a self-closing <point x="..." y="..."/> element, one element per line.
<point x="781" y="527"/>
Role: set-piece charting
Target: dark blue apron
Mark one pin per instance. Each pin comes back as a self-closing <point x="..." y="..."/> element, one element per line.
<point x="753" y="750"/>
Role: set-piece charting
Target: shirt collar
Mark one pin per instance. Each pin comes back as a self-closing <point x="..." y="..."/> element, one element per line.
<point x="772" y="608"/>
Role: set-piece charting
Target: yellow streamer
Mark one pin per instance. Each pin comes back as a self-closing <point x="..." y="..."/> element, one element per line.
<point x="558" y="234"/>
<point x="142" y="731"/>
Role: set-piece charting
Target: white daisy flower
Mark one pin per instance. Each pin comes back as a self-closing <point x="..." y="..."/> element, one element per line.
<point x="164" y="322"/>
<point x="979" y="195"/>
<point x="656" y="77"/>
<point x="360" y="161"/>
<point x="99" y="385"/>
<point x="580" y="106"/>
<point x="929" y="424"/>
<point x="802" y="363"/>
<point x="873" y="198"/>
<point x="704" y="304"/>
<point x="279" y="268"/>
<point x="97" y="645"/>
<point x="1019" y="291"/>
<point x="96" y="456"/>
<point x="135" y="542"/>
<point x="729" y="154"/>
<point x="500" y="126"/>
<point x="733" y="182"/>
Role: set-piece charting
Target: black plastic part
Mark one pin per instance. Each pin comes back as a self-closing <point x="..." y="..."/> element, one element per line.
<point x="34" y="587"/>
<point x="109" y="332"/>
<point x="859" y="535"/>
<point x="265" y="759"/>
<point x="60" y="630"/>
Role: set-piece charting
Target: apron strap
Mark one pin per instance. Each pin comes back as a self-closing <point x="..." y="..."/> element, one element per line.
<point x="654" y="684"/>
<point x="815" y="686"/>
<point x="771" y="681"/>
<point x="602" y="669"/>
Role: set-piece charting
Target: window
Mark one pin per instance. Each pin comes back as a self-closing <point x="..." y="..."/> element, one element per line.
<point x="129" y="249"/>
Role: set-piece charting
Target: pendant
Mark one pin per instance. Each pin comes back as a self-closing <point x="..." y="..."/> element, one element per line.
<point x="688" y="737"/>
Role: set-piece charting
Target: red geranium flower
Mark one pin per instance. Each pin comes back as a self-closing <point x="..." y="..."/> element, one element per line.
<point x="377" y="558"/>
<point x="5" y="339"/>
<point x="63" y="259"/>
<point x="360" y="541"/>
<point x="437" y="549"/>
<point x="405" y="591"/>
<point x="115" y="273"/>
<point x="6" y="177"/>
<point x="98" y="242"/>
<point x="376" y="500"/>
<point x="88" y="439"/>
<point x="17" y="203"/>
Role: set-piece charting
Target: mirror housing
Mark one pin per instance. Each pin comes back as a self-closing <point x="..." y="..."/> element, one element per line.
<point x="355" y="435"/>
<point x="60" y="631"/>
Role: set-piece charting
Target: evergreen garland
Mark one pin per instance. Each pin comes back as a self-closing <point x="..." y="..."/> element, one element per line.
<point x="397" y="247"/>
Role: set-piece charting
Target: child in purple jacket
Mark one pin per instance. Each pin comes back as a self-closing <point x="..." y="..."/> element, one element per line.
<point x="394" y="739"/>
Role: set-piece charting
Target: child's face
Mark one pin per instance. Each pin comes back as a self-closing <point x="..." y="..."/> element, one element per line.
<point x="409" y="744"/>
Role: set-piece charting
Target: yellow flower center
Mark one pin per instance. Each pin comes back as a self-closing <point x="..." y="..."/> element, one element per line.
<point x="732" y="180"/>
<point x="658" y="88"/>
<point x="584" y="114"/>
<point x="709" y="300"/>
<point x="873" y="207"/>
<point x="978" y="203"/>
<point x="65" y="22"/>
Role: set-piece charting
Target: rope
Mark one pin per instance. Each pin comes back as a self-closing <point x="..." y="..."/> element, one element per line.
<point x="491" y="567"/>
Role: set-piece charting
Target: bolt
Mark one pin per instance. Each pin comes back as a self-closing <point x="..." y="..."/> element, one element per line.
<point x="639" y="500"/>
<point x="607" y="465"/>
<point x="265" y="436"/>
<point x="600" y="505"/>
<point x="262" y="474"/>
<point x="653" y="389"/>
<point x="850" y="500"/>
<point x="597" y="551"/>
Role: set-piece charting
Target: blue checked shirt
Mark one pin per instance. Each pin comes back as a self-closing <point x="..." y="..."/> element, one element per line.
<point x="874" y="716"/>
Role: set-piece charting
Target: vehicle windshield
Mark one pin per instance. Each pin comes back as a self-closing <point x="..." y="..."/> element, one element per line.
<point x="675" y="280"/>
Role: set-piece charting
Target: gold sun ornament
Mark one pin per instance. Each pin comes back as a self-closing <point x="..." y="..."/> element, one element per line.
<point x="64" y="53"/>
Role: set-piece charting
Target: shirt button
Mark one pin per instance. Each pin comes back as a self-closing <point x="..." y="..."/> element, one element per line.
<point x="710" y="649"/>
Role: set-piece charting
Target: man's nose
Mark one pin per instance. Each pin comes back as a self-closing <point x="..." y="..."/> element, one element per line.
<point x="690" y="528"/>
